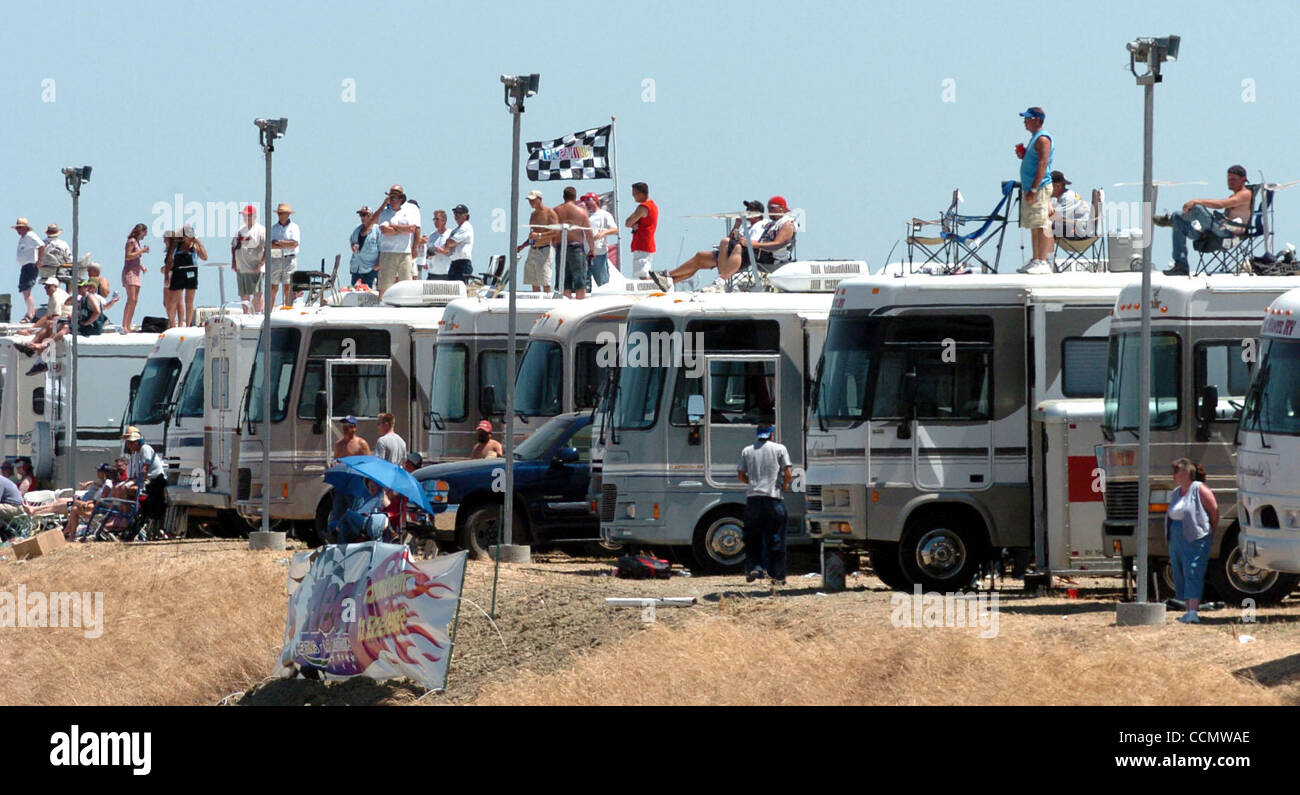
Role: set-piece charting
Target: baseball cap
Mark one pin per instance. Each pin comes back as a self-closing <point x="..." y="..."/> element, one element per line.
<point x="249" y="210"/>
<point x="592" y="195"/>
<point x="51" y="280"/>
<point x="778" y="200"/>
<point x="460" y="208"/>
<point x="1034" y="113"/>
<point x="351" y="419"/>
<point x="365" y="210"/>
<point x="754" y="206"/>
<point x="1059" y="177"/>
<point x="415" y="459"/>
<point x="765" y="432"/>
<point x="484" y="425"/>
<point x="532" y="194"/>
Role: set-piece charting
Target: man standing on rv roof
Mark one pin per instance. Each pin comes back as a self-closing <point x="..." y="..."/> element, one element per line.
<point x="248" y="257"/>
<point x="1036" y="189"/>
<point x="537" y="265"/>
<point x="398" y="222"/>
<point x="30" y="251"/>
<point x="765" y="466"/>
<point x="576" y="245"/>
<point x="643" y="222"/>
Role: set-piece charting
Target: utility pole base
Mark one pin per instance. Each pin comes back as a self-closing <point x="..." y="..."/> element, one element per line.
<point x="1140" y="614"/>
<point x="271" y="540"/>
<point x="511" y="553"/>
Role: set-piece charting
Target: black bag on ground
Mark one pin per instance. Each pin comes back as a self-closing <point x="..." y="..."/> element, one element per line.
<point x="153" y="325"/>
<point x="644" y="567"/>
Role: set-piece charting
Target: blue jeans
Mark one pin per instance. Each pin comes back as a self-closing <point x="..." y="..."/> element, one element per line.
<point x="1187" y="561"/>
<point x="368" y="278"/>
<point x="765" y="536"/>
<point x="1184" y="231"/>
<point x="598" y="270"/>
<point x="460" y="271"/>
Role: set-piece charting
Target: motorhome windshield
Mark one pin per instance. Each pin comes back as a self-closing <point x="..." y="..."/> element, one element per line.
<point x="191" y="403"/>
<point x="1273" y="405"/>
<point x="449" y="381"/>
<point x="1122" y="377"/>
<point x="156" y="385"/>
<point x="492" y="372"/>
<point x="641" y="377"/>
<point x="539" y="389"/>
<point x="284" y="354"/>
<point x="842" y="386"/>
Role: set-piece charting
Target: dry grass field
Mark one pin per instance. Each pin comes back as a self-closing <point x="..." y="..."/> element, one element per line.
<point x="202" y="622"/>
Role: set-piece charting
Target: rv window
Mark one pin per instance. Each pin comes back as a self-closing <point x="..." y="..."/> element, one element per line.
<point x="842" y="388"/>
<point x="743" y="393"/>
<point x="588" y="374"/>
<point x="284" y="355"/>
<point x="582" y="440"/>
<point x="640" y="381"/>
<point x="539" y="389"/>
<point x="191" y="403"/>
<point x="157" y="383"/>
<point x="492" y="370"/>
<point x="220" y="378"/>
<point x="313" y="381"/>
<point x="1274" y="405"/>
<point x="686" y="386"/>
<point x="1121" y="396"/>
<point x="1220" y="364"/>
<point x="358" y="389"/>
<point x="1083" y="367"/>
<point x="38" y="401"/>
<point x="360" y="343"/>
<point x="738" y="336"/>
<point x="447" y="392"/>
<point x="952" y="358"/>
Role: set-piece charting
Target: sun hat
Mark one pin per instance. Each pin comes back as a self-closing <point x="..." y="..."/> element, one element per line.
<point x="132" y="434"/>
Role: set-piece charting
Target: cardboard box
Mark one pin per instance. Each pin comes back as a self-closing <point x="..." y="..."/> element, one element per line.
<point x="39" y="544"/>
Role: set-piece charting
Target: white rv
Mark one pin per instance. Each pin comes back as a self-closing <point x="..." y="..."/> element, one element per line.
<point x="1203" y="353"/>
<point x="156" y="389"/>
<point x="673" y="442"/>
<point x="1268" y="446"/>
<point x="944" y="425"/>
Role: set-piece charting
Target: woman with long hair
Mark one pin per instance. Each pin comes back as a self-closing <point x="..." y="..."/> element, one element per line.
<point x="185" y="276"/>
<point x="169" y="297"/>
<point x="1189" y="526"/>
<point x="132" y="269"/>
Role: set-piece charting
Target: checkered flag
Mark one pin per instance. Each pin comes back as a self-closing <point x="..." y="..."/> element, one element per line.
<point x="580" y="155"/>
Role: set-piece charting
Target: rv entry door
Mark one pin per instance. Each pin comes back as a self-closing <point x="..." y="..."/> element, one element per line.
<point x="741" y="394"/>
<point x="359" y="387"/>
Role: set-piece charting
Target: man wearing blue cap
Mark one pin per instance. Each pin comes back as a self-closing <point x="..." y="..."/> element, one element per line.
<point x="765" y="466"/>
<point x="1036" y="190"/>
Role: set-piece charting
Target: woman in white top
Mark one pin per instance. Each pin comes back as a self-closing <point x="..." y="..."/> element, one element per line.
<point x="1189" y="526"/>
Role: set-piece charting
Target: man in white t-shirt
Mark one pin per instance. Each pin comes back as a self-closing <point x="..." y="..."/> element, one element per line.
<point x="399" y="234"/>
<point x="285" y="240"/>
<point x="1071" y="215"/>
<point x="57" y="253"/>
<point x="604" y="230"/>
<point x="461" y="241"/>
<point x="439" y="250"/>
<point x="765" y="468"/>
<point x="30" y="249"/>
<point x="248" y="258"/>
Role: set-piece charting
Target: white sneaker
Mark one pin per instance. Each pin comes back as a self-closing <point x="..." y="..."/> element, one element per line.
<point x="1036" y="266"/>
<point x="121" y="329"/>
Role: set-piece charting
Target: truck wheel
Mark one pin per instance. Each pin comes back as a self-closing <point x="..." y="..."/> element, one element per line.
<point x="1235" y="580"/>
<point x="479" y="530"/>
<point x="938" y="556"/>
<point x="719" y="545"/>
<point x="887" y="567"/>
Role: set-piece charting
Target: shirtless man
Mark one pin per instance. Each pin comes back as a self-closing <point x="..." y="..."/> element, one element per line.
<point x="350" y="444"/>
<point x="1232" y="218"/>
<point x="537" y="266"/>
<point x="486" y="446"/>
<point x="577" y="245"/>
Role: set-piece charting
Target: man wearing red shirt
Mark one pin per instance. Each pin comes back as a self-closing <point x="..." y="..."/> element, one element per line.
<point x="643" y="221"/>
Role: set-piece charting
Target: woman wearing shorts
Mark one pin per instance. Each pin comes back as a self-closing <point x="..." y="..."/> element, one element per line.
<point x="132" y="270"/>
<point x="184" y="277"/>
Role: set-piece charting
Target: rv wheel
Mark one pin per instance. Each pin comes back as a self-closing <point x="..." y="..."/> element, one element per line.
<point x="1235" y="580"/>
<point x="938" y="556"/>
<point x="719" y="545"/>
<point x="887" y="568"/>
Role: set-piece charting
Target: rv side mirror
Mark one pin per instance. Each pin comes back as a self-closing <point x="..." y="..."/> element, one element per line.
<point x="135" y="387"/>
<point x="1207" y="411"/>
<point x="694" y="409"/>
<point x="487" y="400"/>
<point x="322" y="410"/>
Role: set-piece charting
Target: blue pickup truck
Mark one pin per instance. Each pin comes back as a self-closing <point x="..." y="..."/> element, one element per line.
<point x="552" y="467"/>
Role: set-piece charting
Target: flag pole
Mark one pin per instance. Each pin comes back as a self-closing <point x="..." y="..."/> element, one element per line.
<point x="613" y="199"/>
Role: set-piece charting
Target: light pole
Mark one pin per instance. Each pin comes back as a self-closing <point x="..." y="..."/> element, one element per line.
<point x="517" y="89"/>
<point x="73" y="178"/>
<point x="267" y="131"/>
<point x="1152" y="52"/>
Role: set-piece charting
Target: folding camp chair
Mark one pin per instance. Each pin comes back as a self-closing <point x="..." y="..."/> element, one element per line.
<point x="1084" y="251"/>
<point x="937" y="250"/>
<point x="1233" y="254"/>
<point x="958" y="251"/>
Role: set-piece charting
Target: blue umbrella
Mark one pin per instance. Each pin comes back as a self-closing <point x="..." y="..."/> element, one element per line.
<point x="350" y="479"/>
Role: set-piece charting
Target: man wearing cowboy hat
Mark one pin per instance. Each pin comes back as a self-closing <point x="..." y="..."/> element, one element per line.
<point x="248" y="258"/>
<point x="284" y="251"/>
<point x="399" y="230"/>
<point x="30" y="251"/>
<point x="56" y="254"/>
<point x="147" y="467"/>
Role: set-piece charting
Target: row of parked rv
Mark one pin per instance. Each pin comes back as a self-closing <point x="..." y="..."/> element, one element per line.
<point x="932" y="420"/>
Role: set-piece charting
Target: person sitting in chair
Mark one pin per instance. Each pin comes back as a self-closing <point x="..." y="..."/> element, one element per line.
<point x="1231" y="216"/>
<point x="772" y="241"/>
<point x="1071" y="215"/>
<point x="366" y="521"/>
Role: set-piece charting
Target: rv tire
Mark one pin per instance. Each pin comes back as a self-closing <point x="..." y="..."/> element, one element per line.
<point x="719" y="545"/>
<point x="939" y="555"/>
<point x="887" y="568"/>
<point x="1234" y="581"/>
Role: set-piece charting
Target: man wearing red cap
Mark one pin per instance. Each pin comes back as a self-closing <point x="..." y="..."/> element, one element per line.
<point x="248" y="257"/>
<point x="773" y="245"/>
<point x="486" y="446"/>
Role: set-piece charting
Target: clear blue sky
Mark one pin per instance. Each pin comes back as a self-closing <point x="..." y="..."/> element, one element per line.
<point x="840" y="107"/>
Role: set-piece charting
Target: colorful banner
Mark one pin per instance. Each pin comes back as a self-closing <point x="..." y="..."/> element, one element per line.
<point x="371" y="610"/>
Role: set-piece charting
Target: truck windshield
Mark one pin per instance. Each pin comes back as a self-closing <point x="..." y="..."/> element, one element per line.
<point x="284" y="355"/>
<point x="536" y="445"/>
<point x="191" y="403"/>
<point x="156" y="385"/>
<point x="447" y="394"/>
<point x="1122" y="387"/>
<point x="842" y="385"/>
<point x="641" y="375"/>
<point x="1273" y="405"/>
<point x="539" y="389"/>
